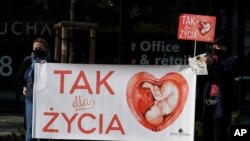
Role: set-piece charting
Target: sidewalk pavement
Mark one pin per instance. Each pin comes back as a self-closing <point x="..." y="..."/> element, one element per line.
<point x="11" y="124"/>
<point x="11" y="116"/>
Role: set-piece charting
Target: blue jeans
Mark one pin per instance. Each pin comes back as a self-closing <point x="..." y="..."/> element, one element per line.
<point x="28" y="114"/>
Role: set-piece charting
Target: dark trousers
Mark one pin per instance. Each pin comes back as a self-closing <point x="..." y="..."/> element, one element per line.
<point x="214" y="129"/>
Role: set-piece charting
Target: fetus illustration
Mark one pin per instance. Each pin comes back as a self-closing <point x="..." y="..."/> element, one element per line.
<point x="166" y="98"/>
<point x="156" y="102"/>
<point x="204" y="27"/>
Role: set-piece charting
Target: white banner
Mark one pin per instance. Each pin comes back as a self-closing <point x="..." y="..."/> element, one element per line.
<point x="114" y="102"/>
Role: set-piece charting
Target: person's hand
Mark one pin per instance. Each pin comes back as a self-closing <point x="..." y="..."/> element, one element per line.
<point x="43" y="61"/>
<point x="24" y="91"/>
<point x="209" y="60"/>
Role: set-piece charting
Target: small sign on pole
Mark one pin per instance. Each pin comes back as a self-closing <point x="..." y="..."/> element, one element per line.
<point x="196" y="28"/>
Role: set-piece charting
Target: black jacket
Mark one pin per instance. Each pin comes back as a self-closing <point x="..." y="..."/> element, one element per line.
<point x="223" y="73"/>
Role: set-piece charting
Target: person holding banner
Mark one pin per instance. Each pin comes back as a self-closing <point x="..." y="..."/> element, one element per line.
<point x="40" y="54"/>
<point x="217" y="89"/>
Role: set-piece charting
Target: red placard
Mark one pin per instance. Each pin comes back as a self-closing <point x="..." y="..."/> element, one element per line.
<point x="196" y="27"/>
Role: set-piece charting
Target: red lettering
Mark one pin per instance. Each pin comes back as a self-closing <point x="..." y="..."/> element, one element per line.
<point x="80" y="123"/>
<point x="114" y="124"/>
<point x="62" y="73"/>
<point x="81" y="82"/>
<point x="100" y="123"/>
<point x="104" y="82"/>
<point x="111" y="127"/>
<point x="76" y="85"/>
<point x="46" y="127"/>
<point x="69" y="121"/>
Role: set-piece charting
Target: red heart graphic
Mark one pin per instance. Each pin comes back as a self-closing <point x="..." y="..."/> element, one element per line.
<point x="156" y="103"/>
<point x="204" y="27"/>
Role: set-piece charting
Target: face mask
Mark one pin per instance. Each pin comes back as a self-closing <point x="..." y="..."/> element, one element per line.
<point x="39" y="53"/>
